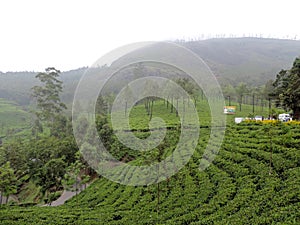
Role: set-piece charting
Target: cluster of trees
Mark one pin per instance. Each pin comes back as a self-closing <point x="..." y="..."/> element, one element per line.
<point x="284" y="92"/>
<point x="51" y="158"/>
<point x="244" y="94"/>
<point x="168" y="90"/>
<point x="286" y="89"/>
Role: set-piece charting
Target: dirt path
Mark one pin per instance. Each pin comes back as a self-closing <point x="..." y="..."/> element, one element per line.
<point x="66" y="195"/>
<point x="60" y="201"/>
<point x="11" y="197"/>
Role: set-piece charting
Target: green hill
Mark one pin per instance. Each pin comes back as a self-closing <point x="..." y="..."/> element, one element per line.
<point x="13" y="118"/>
<point x="16" y="86"/>
<point x="253" y="180"/>
<point x="238" y="188"/>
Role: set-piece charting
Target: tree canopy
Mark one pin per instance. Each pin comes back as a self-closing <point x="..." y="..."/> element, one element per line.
<point x="47" y="95"/>
<point x="287" y="89"/>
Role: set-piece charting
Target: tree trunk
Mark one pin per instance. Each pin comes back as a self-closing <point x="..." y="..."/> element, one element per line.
<point x="177" y="107"/>
<point x="253" y="103"/>
<point x="6" y="201"/>
<point x="151" y="109"/>
<point x="296" y="112"/>
<point x="271" y="153"/>
<point x="146" y="106"/>
<point x="167" y="102"/>
<point x="270" y="107"/>
<point x="241" y="102"/>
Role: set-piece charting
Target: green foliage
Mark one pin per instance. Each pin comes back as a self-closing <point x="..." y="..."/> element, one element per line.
<point x="101" y="106"/>
<point x="235" y="189"/>
<point x="13" y="118"/>
<point x="62" y="127"/>
<point x="105" y="131"/>
<point x="52" y="174"/>
<point x="43" y="160"/>
<point x="49" y="154"/>
<point x="8" y="181"/>
<point x="286" y="89"/>
<point x="75" y="174"/>
<point x="15" y="153"/>
<point x="49" y="105"/>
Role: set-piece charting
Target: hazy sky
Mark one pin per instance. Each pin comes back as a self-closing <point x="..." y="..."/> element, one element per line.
<point x="66" y="34"/>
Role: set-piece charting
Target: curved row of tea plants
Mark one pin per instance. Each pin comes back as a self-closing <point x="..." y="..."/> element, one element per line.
<point x="253" y="180"/>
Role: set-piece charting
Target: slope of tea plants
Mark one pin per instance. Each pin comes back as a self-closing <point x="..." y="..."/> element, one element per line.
<point x="12" y="118"/>
<point x="253" y="180"/>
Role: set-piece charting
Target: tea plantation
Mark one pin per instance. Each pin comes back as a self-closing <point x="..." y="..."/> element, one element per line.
<point x="253" y="180"/>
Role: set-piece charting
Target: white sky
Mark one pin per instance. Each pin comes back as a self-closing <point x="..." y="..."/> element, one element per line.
<point x="66" y="34"/>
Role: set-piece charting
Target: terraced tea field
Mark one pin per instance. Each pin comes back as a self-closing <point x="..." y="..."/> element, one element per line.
<point x="244" y="185"/>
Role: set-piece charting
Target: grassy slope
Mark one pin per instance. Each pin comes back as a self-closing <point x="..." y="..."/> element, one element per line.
<point x="12" y="116"/>
<point x="139" y="118"/>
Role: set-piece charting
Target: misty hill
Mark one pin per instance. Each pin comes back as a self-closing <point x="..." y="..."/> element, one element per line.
<point x="16" y="86"/>
<point x="233" y="60"/>
<point x="251" y="60"/>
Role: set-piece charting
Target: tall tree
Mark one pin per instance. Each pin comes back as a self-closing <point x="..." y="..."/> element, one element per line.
<point x="229" y="92"/>
<point x="267" y="93"/>
<point x="190" y="87"/>
<point x="49" y="105"/>
<point x="101" y="106"/>
<point x="241" y="91"/>
<point x="127" y="97"/>
<point x="150" y="85"/>
<point x="287" y="89"/>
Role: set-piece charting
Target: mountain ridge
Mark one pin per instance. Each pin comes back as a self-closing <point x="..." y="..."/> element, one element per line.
<point x="232" y="60"/>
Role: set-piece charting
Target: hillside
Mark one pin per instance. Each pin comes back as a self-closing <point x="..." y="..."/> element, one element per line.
<point x="16" y="86"/>
<point x="254" y="178"/>
<point x="250" y="60"/>
<point x="233" y="60"/>
<point x="240" y="187"/>
<point x="13" y="118"/>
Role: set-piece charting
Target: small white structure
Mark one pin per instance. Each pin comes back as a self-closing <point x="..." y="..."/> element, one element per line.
<point x="239" y="119"/>
<point x="259" y="118"/>
<point x="284" y="117"/>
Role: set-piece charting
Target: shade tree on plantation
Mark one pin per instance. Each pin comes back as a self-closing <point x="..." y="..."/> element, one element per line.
<point x="287" y="89"/>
